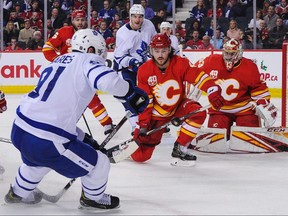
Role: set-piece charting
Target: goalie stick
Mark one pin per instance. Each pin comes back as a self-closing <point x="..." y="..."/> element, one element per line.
<point x="55" y="198"/>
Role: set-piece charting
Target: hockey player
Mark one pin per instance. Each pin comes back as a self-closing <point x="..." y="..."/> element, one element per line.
<point x="165" y="27"/>
<point x="162" y="79"/>
<point x="132" y="42"/>
<point x="241" y="84"/>
<point x="60" y="44"/>
<point x="45" y="130"/>
<point x="3" y="108"/>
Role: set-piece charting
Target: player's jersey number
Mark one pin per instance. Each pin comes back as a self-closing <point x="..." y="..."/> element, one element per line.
<point x="43" y="78"/>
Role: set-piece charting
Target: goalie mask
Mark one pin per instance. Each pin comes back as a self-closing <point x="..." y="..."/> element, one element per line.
<point x="84" y="39"/>
<point x="232" y="53"/>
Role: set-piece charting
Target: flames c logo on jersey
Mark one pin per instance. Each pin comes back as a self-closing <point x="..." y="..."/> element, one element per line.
<point x="230" y="88"/>
<point x="161" y="93"/>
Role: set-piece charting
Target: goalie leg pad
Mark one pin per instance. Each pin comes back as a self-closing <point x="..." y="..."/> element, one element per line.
<point x="122" y="151"/>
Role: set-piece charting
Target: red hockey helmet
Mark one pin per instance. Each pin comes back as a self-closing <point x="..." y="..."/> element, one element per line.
<point x="160" y="41"/>
<point x="232" y="53"/>
<point x="78" y="14"/>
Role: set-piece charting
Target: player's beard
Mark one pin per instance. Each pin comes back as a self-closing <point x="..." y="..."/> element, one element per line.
<point x="161" y="63"/>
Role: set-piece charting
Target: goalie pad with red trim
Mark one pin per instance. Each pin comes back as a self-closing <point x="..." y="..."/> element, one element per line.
<point x="258" y="140"/>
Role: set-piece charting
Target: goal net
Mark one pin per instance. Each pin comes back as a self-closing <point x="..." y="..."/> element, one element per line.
<point x="284" y="108"/>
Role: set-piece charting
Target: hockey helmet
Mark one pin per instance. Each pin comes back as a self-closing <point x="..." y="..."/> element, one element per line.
<point x="165" y="25"/>
<point x="232" y="53"/>
<point x="160" y="41"/>
<point x="136" y="9"/>
<point x="83" y="39"/>
<point x="78" y="14"/>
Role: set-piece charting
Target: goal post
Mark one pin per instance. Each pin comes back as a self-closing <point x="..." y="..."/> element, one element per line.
<point x="284" y="110"/>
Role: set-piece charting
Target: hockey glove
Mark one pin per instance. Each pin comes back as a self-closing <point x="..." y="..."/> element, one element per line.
<point x="3" y="103"/>
<point x="140" y="132"/>
<point x="90" y="141"/>
<point x="267" y="111"/>
<point x="134" y="64"/>
<point x="215" y="98"/>
<point x="136" y="100"/>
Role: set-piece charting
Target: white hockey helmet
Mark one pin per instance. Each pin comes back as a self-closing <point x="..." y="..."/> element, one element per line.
<point x="84" y="39"/>
<point x="136" y="9"/>
<point x="232" y="53"/>
<point x="165" y="25"/>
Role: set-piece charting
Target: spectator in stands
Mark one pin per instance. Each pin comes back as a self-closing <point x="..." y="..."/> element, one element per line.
<point x="115" y="21"/>
<point x="80" y="5"/>
<point x="57" y="4"/>
<point x="149" y="12"/>
<point x="50" y="30"/>
<point x="158" y="19"/>
<point x="20" y="13"/>
<point x="263" y="34"/>
<point x="218" y="39"/>
<point x="13" y="45"/>
<point x="199" y="11"/>
<point x="270" y="18"/>
<point x="246" y="39"/>
<point x="168" y="4"/>
<point x="18" y="22"/>
<point x="67" y="6"/>
<point x="266" y="5"/>
<point x="195" y="26"/>
<point x="281" y="9"/>
<point x="110" y="41"/>
<point x="180" y="39"/>
<point x="104" y="30"/>
<point x="36" y="42"/>
<point x="107" y="13"/>
<point x="194" y="42"/>
<point x="35" y="22"/>
<point x="124" y="14"/>
<point x="210" y="30"/>
<point x="26" y="5"/>
<point x="259" y="17"/>
<point x="233" y="31"/>
<point x="206" y="43"/>
<point x="26" y="33"/>
<point x="277" y="35"/>
<point x="233" y="9"/>
<point x="95" y="20"/>
<point x="180" y="29"/>
<point x="219" y="12"/>
<point x="35" y="8"/>
<point x="225" y="39"/>
<point x="56" y="18"/>
<point x="9" y="32"/>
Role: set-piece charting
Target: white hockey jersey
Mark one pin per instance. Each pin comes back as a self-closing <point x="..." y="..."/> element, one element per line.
<point x="133" y="43"/>
<point x="65" y="88"/>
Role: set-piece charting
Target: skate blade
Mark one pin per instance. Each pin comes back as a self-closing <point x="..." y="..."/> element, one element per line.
<point x="182" y="163"/>
<point x="89" y="208"/>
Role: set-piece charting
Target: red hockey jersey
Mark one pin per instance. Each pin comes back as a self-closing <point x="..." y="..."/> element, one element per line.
<point x="59" y="43"/>
<point x="239" y="87"/>
<point x="166" y="89"/>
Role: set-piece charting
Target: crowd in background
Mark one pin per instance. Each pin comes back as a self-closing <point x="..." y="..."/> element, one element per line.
<point x="24" y="25"/>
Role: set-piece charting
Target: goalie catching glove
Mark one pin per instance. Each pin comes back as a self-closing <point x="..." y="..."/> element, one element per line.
<point x="136" y="100"/>
<point x="215" y="98"/>
<point x="265" y="110"/>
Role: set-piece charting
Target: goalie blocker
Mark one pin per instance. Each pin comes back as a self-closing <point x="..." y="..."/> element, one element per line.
<point x="242" y="140"/>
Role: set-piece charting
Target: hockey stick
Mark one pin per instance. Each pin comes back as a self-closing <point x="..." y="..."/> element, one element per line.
<point x="5" y="140"/>
<point x="55" y="198"/>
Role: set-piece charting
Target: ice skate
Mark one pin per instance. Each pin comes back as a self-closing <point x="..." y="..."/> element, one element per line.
<point x="33" y="198"/>
<point x="181" y="156"/>
<point x="106" y="202"/>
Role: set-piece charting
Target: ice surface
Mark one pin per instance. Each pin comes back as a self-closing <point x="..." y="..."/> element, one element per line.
<point x="220" y="184"/>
